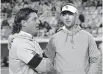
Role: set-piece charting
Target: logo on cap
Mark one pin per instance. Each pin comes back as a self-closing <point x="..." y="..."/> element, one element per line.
<point x="66" y="6"/>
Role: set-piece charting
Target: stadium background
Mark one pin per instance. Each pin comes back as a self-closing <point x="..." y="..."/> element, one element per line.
<point x="90" y="19"/>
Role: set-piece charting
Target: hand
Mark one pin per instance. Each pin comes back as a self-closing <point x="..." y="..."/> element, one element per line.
<point x="45" y="65"/>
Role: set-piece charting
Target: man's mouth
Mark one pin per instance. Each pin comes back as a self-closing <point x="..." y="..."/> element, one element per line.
<point x="37" y="28"/>
<point x="67" y="21"/>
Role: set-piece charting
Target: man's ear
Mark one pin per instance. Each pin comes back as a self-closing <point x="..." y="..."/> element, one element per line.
<point x="61" y="18"/>
<point x="23" y="22"/>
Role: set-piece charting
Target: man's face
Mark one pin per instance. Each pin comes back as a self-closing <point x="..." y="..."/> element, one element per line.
<point x="69" y="18"/>
<point x="33" y="22"/>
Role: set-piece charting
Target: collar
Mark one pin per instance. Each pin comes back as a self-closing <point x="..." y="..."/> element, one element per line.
<point x="25" y="33"/>
<point x="74" y="31"/>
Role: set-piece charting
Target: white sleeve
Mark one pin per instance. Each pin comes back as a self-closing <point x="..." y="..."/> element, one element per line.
<point x="25" y="52"/>
<point x="30" y="57"/>
<point x="94" y="53"/>
<point x="95" y="56"/>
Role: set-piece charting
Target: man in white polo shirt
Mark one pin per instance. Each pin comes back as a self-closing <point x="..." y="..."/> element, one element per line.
<point x="72" y="49"/>
<point x="25" y="54"/>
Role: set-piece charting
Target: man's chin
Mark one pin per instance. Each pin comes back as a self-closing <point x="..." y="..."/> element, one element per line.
<point x="69" y="26"/>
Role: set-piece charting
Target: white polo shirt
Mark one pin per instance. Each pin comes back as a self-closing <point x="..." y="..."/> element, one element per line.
<point x="22" y="50"/>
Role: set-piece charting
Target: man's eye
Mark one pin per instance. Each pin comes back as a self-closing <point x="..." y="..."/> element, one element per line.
<point x="34" y="19"/>
<point x="67" y="13"/>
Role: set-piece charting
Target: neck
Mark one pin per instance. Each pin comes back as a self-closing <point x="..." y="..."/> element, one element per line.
<point x="25" y="31"/>
<point x="72" y="28"/>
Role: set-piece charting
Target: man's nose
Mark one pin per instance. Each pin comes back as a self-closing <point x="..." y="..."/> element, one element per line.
<point x="38" y="21"/>
<point x="67" y="17"/>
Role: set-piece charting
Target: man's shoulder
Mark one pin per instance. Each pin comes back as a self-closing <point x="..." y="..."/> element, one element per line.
<point x="58" y="34"/>
<point x="86" y="32"/>
<point x="21" y="43"/>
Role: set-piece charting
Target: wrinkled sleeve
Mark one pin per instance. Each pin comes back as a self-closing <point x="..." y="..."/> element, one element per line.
<point x="50" y="50"/>
<point x="94" y="55"/>
<point x="27" y="54"/>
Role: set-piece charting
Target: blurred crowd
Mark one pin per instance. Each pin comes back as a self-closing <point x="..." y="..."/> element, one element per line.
<point x="90" y="15"/>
